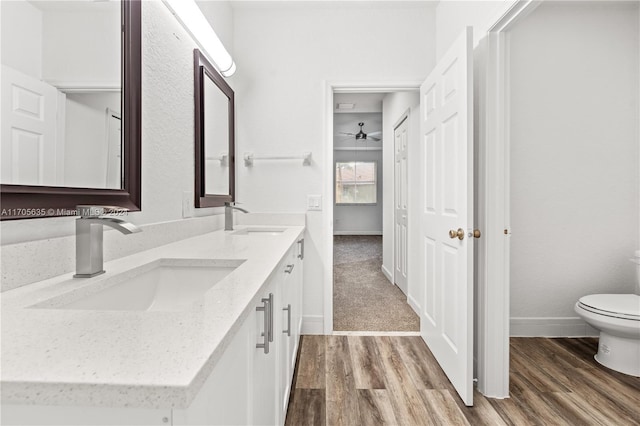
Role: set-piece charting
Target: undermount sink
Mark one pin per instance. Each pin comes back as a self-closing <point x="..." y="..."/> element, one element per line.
<point x="162" y="285"/>
<point x="259" y="231"/>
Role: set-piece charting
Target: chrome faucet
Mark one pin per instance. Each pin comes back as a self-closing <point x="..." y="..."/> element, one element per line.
<point x="228" y="214"/>
<point x="89" y="233"/>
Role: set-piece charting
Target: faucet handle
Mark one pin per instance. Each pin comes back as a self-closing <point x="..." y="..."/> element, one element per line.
<point x="90" y="211"/>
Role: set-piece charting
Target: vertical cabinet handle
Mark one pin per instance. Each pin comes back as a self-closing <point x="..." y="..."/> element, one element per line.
<point x="266" y="309"/>
<point x="289" y="269"/>
<point x="270" y="333"/>
<point x="288" y="330"/>
<point x="301" y="248"/>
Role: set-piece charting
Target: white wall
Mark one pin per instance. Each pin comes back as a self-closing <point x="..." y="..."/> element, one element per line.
<point x="394" y="105"/>
<point x="285" y="55"/>
<point x="574" y="155"/>
<point x="167" y="160"/>
<point x="82" y="45"/>
<point x="354" y="219"/>
<point x="454" y="15"/>
<point x="22" y="21"/>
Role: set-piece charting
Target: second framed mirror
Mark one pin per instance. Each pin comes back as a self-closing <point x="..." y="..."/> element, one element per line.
<point x="214" y="135"/>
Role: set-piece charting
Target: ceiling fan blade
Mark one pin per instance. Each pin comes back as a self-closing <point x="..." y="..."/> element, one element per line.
<point x="374" y="133"/>
<point x="373" y="138"/>
<point x="347" y="134"/>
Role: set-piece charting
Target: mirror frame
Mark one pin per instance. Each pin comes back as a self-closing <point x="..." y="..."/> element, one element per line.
<point x="31" y="202"/>
<point x="203" y="69"/>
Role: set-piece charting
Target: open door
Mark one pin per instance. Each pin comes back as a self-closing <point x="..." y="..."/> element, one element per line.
<point x="446" y="213"/>
<point x="400" y="136"/>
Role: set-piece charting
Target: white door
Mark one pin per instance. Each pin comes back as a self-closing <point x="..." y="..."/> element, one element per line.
<point x="401" y="137"/>
<point x="29" y="155"/>
<point x="446" y="155"/>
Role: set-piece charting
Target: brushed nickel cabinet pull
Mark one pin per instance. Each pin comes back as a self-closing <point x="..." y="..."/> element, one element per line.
<point x="265" y="308"/>
<point x="288" y="330"/>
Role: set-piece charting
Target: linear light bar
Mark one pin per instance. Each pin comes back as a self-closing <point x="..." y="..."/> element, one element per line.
<point x="192" y="19"/>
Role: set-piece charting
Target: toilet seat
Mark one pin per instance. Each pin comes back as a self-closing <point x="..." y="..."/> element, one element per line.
<point x="623" y="306"/>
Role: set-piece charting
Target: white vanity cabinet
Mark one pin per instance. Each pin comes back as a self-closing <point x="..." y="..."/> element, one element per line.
<point x="251" y="382"/>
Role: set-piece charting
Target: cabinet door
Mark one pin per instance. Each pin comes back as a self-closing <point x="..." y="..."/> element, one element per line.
<point x="296" y="291"/>
<point x="224" y="397"/>
<point x="264" y="365"/>
<point x="291" y="315"/>
<point x="286" y="307"/>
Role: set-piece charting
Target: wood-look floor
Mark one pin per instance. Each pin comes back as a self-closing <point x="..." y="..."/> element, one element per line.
<point x="364" y="380"/>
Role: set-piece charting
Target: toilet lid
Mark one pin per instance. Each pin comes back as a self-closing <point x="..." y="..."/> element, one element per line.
<point x="619" y="305"/>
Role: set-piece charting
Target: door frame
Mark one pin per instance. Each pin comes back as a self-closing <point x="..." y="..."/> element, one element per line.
<point x="331" y="87"/>
<point x="493" y="298"/>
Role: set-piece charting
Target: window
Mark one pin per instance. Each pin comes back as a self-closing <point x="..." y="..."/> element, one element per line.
<point x="356" y="182"/>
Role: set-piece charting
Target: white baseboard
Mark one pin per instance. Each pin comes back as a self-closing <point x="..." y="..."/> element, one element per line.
<point x="551" y="327"/>
<point x="312" y="324"/>
<point x="414" y="304"/>
<point x="357" y="232"/>
<point x="387" y="274"/>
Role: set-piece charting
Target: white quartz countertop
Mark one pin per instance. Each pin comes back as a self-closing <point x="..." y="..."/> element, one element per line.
<point x="132" y="358"/>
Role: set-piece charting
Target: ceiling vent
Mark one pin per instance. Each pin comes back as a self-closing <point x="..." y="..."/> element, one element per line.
<point x="343" y="106"/>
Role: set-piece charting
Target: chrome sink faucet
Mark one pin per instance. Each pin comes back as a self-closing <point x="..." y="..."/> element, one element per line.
<point x="228" y="214"/>
<point x="89" y="233"/>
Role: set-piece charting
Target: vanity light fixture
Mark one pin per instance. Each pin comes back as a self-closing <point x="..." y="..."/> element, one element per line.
<point x="192" y="19"/>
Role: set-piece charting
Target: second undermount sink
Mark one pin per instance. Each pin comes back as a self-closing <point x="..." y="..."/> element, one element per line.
<point x="162" y="285"/>
<point x="259" y="231"/>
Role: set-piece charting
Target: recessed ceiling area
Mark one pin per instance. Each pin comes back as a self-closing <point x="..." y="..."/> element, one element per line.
<point x="363" y="102"/>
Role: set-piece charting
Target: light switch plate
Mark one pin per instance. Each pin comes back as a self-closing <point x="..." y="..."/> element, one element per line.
<point x="314" y="202"/>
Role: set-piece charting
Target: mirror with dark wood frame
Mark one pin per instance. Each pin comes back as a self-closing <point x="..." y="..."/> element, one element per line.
<point x="24" y="199"/>
<point x="214" y="136"/>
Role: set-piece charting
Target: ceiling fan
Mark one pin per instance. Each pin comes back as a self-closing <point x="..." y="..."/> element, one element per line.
<point x="362" y="135"/>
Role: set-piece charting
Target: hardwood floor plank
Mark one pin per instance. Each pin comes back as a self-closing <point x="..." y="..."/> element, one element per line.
<point x="544" y="411"/>
<point x="482" y="413"/>
<point x="512" y="413"/>
<point x="407" y="404"/>
<point x="375" y="407"/>
<point x="307" y="407"/>
<point x="600" y="388"/>
<point x="442" y="407"/>
<point x="311" y="365"/>
<point x="341" y="396"/>
<point x="538" y="377"/>
<point x="553" y="367"/>
<point x="421" y="364"/>
<point x="367" y="370"/>
<point x="600" y="410"/>
<point x="587" y="348"/>
<point x="552" y="382"/>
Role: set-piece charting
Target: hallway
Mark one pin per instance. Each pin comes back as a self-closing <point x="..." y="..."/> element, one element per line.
<point x="363" y="298"/>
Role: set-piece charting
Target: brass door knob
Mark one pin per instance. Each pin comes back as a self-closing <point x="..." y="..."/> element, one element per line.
<point x="459" y="234"/>
<point x="476" y="233"/>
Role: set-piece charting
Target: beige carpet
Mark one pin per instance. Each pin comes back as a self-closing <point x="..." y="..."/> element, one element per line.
<point x="363" y="298"/>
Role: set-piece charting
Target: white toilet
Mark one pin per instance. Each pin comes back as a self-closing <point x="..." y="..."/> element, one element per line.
<point x="617" y="316"/>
